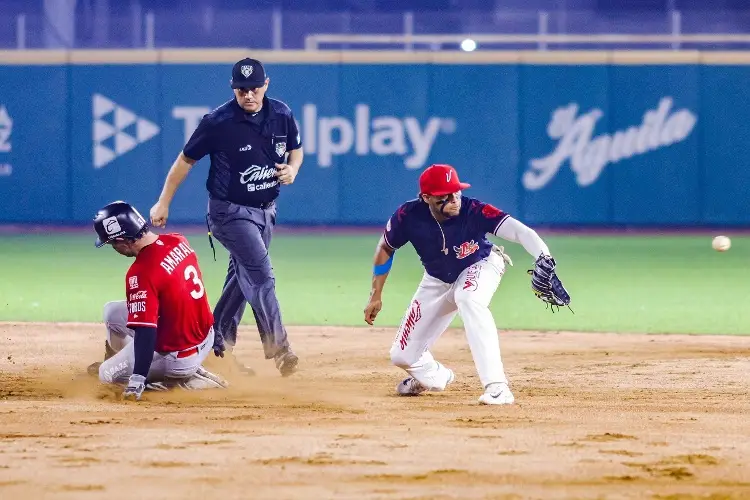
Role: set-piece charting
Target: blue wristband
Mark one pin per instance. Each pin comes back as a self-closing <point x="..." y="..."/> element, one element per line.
<point x="383" y="268"/>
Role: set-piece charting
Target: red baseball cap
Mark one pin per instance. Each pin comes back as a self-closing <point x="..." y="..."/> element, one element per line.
<point x="439" y="180"/>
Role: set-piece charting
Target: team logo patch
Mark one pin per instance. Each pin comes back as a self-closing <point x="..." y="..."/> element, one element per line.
<point x="401" y="213"/>
<point x="112" y="226"/>
<point x="490" y="212"/>
<point x="467" y="248"/>
<point x="133" y="282"/>
<point x="246" y="70"/>
<point x="280" y="148"/>
<point x="415" y="314"/>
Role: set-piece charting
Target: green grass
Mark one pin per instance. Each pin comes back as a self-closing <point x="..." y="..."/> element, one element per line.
<point x="622" y="284"/>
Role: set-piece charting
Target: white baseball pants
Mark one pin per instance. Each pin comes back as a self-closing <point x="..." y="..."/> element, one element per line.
<point x="168" y="365"/>
<point x="431" y="311"/>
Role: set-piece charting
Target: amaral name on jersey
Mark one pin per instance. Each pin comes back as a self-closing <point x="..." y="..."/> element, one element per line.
<point x="589" y="155"/>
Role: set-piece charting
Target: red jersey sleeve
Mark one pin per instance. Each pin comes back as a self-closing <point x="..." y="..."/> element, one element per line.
<point x="395" y="235"/>
<point x="489" y="217"/>
<point x="142" y="299"/>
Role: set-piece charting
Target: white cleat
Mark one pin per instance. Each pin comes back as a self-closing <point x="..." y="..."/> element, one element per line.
<point x="497" y="394"/>
<point x="410" y="387"/>
<point x="203" y="379"/>
<point x="451" y="377"/>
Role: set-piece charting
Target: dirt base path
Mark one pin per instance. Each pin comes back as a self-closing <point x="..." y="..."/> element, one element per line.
<point x="597" y="416"/>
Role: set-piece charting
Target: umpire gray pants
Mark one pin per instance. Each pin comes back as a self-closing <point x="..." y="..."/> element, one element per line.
<point x="246" y="234"/>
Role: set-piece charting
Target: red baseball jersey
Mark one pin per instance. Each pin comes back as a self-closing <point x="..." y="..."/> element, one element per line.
<point x="164" y="287"/>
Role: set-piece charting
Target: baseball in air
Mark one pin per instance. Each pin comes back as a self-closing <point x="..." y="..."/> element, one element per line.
<point x="721" y="243"/>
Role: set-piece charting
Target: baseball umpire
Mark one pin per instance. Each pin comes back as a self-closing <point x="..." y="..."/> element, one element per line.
<point x="254" y="146"/>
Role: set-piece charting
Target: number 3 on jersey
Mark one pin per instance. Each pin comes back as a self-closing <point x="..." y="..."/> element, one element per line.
<point x="192" y="274"/>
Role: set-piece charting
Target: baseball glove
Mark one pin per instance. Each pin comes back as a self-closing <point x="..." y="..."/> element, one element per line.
<point x="546" y="285"/>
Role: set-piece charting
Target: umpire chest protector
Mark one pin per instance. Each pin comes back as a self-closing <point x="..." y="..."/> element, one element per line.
<point x="244" y="149"/>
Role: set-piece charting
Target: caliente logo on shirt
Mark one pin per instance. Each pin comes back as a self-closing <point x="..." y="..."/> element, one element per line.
<point x="256" y="174"/>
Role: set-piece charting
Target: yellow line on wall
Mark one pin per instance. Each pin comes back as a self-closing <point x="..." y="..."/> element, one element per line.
<point x="231" y="55"/>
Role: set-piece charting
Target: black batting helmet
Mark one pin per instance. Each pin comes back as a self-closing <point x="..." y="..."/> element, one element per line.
<point x="118" y="220"/>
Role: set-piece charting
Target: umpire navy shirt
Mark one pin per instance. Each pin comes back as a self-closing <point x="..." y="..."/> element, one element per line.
<point x="464" y="236"/>
<point x="244" y="149"/>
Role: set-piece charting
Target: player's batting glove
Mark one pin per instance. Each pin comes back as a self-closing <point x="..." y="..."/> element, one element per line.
<point x="219" y="346"/>
<point x="545" y="283"/>
<point x="135" y="388"/>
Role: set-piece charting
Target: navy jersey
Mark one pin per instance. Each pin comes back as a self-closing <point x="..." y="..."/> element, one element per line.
<point x="244" y="149"/>
<point x="465" y="235"/>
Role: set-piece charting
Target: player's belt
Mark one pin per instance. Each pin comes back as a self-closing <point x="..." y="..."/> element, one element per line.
<point x="187" y="352"/>
<point x="193" y="350"/>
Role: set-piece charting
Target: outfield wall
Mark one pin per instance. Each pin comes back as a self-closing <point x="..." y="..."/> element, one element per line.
<point x="556" y="138"/>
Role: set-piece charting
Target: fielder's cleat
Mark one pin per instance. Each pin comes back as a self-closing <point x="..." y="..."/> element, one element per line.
<point x="93" y="368"/>
<point x="497" y="394"/>
<point x="286" y="362"/>
<point x="451" y="378"/>
<point x="411" y="387"/>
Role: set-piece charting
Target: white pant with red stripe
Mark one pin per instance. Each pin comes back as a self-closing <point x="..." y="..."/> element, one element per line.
<point x="431" y="311"/>
<point x="167" y="365"/>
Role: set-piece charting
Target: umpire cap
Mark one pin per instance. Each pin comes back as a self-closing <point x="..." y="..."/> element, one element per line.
<point x="248" y="74"/>
<point x="118" y="220"/>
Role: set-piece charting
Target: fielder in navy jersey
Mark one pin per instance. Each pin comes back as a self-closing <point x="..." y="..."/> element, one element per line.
<point x="462" y="272"/>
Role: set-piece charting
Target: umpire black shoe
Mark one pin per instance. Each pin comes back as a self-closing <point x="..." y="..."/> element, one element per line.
<point x="286" y="362"/>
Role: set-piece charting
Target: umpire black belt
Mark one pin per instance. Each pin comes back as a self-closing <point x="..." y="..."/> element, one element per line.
<point x="264" y="205"/>
<point x="267" y="204"/>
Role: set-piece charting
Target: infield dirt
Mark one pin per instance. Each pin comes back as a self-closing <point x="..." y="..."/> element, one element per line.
<point x="596" y="416"/>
